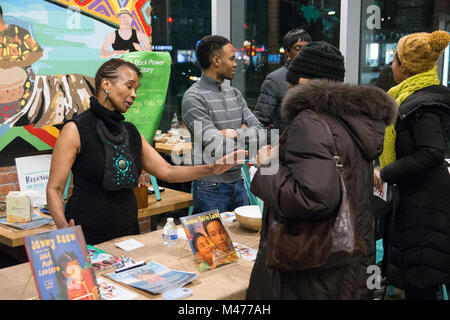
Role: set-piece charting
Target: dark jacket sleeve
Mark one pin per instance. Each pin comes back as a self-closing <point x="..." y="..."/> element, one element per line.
<point x="307" y="184"/>
<point x="426" y="129"/>
<point x="267" y="102"/>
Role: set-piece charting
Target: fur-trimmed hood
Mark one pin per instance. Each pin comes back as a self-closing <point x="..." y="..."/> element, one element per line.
<point x="337" y="98"/>
<point x="364" y="110"/>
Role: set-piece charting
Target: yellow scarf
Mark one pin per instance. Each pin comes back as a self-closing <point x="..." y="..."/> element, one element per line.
<point x="400" y="93"/>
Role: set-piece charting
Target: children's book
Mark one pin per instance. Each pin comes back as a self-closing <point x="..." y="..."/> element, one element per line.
<point x="229" y="217"/>
<point x="110" y="291"/>
<point x="102" y="260"/>
<point x="36" y="222"/>
<point x="209" y="240"/>
<point x="245" y="252"/>
<point x="153" y="277"/>
<point x="61" y="266"/>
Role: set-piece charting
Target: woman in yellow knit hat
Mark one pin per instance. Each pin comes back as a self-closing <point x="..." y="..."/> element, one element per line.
<point x="416" y="239"/>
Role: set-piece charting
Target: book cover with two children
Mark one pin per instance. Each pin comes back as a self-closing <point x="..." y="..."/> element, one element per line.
<point x="210" y="242"/>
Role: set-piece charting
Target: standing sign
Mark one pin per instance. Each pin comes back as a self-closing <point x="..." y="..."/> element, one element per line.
<point x="147" y="109"/>
<point x="33" y="177"/>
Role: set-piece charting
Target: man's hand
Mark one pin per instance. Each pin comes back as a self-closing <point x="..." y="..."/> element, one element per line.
<point x="265" y="154"/>
<point x="231" y="133"/>
<point x="228" y="161"/>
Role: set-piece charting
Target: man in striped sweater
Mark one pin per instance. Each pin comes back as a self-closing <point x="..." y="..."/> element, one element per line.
<point x="219" y="121"/>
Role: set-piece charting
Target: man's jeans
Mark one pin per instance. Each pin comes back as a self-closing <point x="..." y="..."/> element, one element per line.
<point x="221" y="196"/>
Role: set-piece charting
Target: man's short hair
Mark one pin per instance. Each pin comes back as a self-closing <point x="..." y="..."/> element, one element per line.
<point x="207" y="47"/>
<point x="293" y="36"/>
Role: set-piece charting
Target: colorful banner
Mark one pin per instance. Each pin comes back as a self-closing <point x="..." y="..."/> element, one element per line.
<point x="147" y="109"/>
<point x="106" y="10"/>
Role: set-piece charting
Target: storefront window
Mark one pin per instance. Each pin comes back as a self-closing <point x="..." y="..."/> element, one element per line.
<point x="385" y="22"/>
<point x="257" y="30"/>
<point x="177" y="27"/>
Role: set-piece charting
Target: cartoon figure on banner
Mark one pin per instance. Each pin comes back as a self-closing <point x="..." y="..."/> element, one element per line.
<point x="18" y="51"/>
<point x="125" y="39"/>
<point x="26" y="98"/>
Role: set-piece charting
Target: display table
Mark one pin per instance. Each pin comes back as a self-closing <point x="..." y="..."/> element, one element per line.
<point x="13" y="237"/>
<point x="170" y="200"/>
<point x="169" y="149"/>
<point x="225" y="282"/>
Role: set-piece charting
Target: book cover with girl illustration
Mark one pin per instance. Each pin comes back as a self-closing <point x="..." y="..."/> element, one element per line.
<point x="209" y="240"/>
<point x="61" y="266"/>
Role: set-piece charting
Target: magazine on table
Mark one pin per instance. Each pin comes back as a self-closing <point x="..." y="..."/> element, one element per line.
<point x="110" y="291"/>
<point x="245" y="252"/>
<point x="36" y="222"/>
<point x="61" y="266"/>
<point x="209" y="240"/>
<point x="102" y="260"/>
<point x="229" y="217"/>
<point x="153" y="277"/>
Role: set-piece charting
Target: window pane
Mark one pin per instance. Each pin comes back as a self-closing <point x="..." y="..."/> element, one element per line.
<point x="257" y="30"/>
<point x="384" y="22"/>
<point x="177" y="26"/>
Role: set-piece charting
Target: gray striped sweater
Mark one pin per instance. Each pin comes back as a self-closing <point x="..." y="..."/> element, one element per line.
<point x="210" y="106"/>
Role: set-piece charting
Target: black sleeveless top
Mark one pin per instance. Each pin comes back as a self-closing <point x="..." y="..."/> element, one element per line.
<point x="121" y="44"/>
<point x="102" y="214"/>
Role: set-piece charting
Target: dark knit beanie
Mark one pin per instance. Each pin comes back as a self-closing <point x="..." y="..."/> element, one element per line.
<point x="317" y="60"/>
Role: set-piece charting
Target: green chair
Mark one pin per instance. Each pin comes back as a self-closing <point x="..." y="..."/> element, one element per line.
<point x="253" y="200"/>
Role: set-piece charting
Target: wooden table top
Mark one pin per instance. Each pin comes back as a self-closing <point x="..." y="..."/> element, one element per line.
<point x="179" y="148"/>
<point x="170" y="200"/>
<point x="13" y="237"/>
<point x="225" y="282"/>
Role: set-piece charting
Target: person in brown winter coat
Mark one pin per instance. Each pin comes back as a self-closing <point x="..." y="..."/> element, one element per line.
<point x="306" y="186"/>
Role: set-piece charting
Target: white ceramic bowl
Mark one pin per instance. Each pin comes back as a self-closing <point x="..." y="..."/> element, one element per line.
<point x="249" y="217"/>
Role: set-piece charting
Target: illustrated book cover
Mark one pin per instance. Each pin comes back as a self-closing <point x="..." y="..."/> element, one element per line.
<point x="153" y="277"/>
<point x="36" y="222"/>
<point x="61" y="266"/>
<point x="209" y="240"/>
<point x="102" y="260"/>
<point x="110" y="291"/>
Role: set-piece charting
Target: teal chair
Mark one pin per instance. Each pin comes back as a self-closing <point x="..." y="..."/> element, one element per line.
<point x="155" y="187"/>
<point x="66" y="189"/>
<point x="444" y="292"/>
<point x="253" y="200"/>
<point x="191" y="209"/>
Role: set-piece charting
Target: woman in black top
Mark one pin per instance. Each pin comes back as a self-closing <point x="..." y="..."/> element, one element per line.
<point x="106" y="155"/>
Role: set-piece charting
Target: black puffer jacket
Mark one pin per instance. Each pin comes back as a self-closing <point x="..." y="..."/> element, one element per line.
<point x="417" y="242"/>
<point x="305" y="186"/>
<point x="273" y="89"/>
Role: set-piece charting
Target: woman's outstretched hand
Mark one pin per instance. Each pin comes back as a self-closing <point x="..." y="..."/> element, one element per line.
<point x="229" y="161"/>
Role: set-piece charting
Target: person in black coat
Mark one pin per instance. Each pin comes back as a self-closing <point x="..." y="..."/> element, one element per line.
<point x="306" y="188"/>
<point x="416" y="239"/>
<point x="274" y="87"/>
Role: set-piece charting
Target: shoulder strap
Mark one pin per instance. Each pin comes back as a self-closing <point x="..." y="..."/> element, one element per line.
<point x="336" y="157"/>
